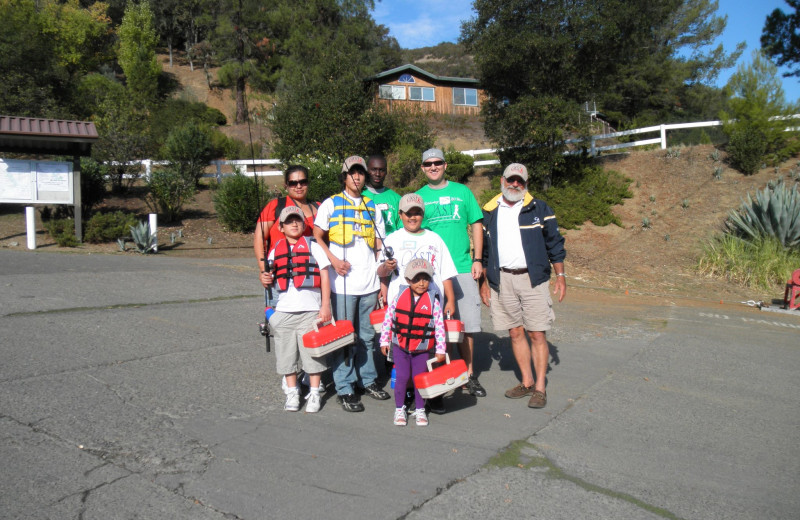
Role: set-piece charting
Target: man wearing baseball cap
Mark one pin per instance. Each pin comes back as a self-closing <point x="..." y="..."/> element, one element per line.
<point x="516" y="285"/>
<point x="349" y="228"/>
<point x="452" y="211"/>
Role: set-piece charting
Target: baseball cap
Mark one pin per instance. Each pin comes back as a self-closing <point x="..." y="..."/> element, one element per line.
<point x="416" y="266"/>
<point x="353" y="160"/>
<point x="433" y="153"/>
<point x="289" y="211"/>
<point x="516" y="170"/>
<point x="411" y="200"/>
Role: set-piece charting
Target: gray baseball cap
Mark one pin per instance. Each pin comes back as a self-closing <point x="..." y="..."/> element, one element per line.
<point x="433" y="153"/>
<point x="416" y="266"/>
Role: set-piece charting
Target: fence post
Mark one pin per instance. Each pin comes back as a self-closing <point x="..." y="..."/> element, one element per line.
<point x="154" y="230"/>
<point x="663" y="137"/>
<point x="30" y="227"/>
<point x="594" y="152"/>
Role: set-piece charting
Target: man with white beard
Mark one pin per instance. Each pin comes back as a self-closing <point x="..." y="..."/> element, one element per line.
<point x="521" y="240"/>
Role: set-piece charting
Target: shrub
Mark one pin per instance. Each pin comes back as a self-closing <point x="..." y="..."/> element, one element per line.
<point x="63" y="231"/>
<point x="775" y="212"/>
<point x="405" y="173"/>
<point x="323" y="174"/>
<point x="459" y="165"/>
<point x="169" y="188"/>
<point x="93" y="184"/>
<point x="188" y="149"/>
<point x="746" y="149"/>
<point x="144" y="241"/>
<point x="238" y="202"/>
<point x="107" y="227"/>
<point x="762" y="263"/>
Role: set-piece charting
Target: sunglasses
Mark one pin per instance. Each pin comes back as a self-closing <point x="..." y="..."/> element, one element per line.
<point x="301" y="182"/>
<point x="432" y="163"/>
<point x="515" y="180"/>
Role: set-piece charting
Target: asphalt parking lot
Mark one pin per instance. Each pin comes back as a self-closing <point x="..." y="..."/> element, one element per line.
<point x="138" y="387"/>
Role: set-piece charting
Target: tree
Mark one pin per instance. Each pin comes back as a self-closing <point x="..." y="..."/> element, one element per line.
<point x="81" y="36"/>
<point x="780" y="40"/>
<point x="757" y="119"/>
<point x="533" y="55"/>
<point x="136" y="54"/>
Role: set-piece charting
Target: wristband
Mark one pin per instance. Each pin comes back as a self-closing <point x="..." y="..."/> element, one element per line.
<point x="561" y="274"/>
<point x="476" y="260"/>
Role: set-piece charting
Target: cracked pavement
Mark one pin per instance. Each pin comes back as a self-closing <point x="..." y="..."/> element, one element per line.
<point x="138" y="387"/>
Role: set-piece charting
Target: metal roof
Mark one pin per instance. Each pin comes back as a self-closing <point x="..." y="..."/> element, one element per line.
<point x="46" y="136"/>
<point x="421" y="72"/>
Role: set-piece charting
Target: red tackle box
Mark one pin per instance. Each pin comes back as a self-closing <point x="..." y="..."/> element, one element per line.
<point x="453" y="330"/>
<point x="376" y="318"/>
<point x="440" y="380"/>
<point x="326" y="339"/>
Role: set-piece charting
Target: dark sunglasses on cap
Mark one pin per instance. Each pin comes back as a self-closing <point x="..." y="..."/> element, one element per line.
<point x="515" y="180"/>
<point x="432" y="163"/>
<point x="301" y="182"/>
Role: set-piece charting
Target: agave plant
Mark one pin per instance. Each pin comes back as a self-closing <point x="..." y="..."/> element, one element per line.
<point x="774" y="212"/>
<point x="144" y="241"/>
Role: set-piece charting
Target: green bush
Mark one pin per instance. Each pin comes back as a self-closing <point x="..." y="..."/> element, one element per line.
<point x="759" y="264"/>
<point x="746" y="149"/>
<point x="404" y="164"/>
<point x="323" y="174"/>
<point x="231" y="148"/>
<point x="459" y="165"/>
<point x="93" y="184"/>
<point x="188" y="149"/>
<point x="238" y="202"/>
<point x="63" y="231"/>
<point x="107" y="227"/>
<point x="169" y="188"/>
<point x="587" y="194"/>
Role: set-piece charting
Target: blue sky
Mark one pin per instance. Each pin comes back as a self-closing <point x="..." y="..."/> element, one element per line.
<point x="417" y="24"/>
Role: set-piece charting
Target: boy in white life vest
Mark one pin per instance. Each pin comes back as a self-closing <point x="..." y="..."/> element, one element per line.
<point x="300" y="276"/>
<point x="413" y="326"/>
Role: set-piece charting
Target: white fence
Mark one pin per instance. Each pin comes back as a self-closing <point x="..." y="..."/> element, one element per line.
<point x="250" y="167"/>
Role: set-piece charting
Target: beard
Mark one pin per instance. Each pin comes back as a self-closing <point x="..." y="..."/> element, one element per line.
<point x="512" y="194"/>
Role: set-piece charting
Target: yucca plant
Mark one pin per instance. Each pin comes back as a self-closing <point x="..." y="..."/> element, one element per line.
<point x="775" y="212"/>
<point x="144" y="241"/>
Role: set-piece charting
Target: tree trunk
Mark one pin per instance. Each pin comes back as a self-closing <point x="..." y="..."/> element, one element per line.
<point x="241" y="109"/>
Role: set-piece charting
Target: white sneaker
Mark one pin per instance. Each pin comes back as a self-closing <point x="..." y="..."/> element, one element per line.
<point x="312" y="402"/>
<point x="421" y="417"/>
<point x="400" y="417"/>
<point x="292" y="401"/>
<point x="284" y="386"/>
<point x="306" y="381"/>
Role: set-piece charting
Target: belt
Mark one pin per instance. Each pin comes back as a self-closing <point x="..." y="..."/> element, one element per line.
<point x="523" y="270"/>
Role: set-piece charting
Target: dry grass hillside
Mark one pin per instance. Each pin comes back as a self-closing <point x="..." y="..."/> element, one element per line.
<point x="684" y="203"/>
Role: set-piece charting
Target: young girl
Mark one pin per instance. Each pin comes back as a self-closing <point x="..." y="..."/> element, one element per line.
<point x="414" y="324"/>
<point x="301" y="276"/>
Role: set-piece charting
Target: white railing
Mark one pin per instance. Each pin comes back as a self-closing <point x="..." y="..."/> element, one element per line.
<point x="250" y="167"/>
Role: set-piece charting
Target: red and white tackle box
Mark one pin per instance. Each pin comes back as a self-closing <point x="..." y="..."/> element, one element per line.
<point x="442" y="379"/>
<point x="453" y="330"/>
<point x="326" y="339"/>
<point x="376" y="318"/>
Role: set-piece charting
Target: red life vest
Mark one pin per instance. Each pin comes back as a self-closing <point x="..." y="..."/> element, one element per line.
<point x="295" y="262"/>
<point x="412" y="324"/>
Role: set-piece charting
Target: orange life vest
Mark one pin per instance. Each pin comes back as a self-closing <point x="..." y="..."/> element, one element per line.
<point x="295" y="262"/>
<point x="412" y="324"/>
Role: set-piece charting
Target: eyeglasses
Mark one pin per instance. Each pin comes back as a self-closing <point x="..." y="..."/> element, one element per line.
<point x="515" y="180"/>
<point x="301" y="182"/>
<point x="432" y="163"/>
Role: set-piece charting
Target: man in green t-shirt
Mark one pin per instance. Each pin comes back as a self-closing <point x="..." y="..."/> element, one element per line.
<point x="450" y="211"/>
<point x="386" y="200"/>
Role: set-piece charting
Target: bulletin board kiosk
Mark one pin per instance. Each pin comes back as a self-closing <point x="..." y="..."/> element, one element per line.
<point x="27" y="179"/>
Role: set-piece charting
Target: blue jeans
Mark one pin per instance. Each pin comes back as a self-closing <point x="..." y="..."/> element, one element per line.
<point x="361" y="369"/>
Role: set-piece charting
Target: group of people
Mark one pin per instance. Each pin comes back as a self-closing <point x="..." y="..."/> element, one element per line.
<point x="367" y="247"/>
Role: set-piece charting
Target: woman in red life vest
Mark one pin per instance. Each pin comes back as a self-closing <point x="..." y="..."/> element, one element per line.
<point x="413" y="326"/>
<point x="268" y="231"/>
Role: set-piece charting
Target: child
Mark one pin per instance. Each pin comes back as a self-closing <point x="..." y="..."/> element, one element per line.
<point x="301" y="276"/>
<point x="414" y="324"/>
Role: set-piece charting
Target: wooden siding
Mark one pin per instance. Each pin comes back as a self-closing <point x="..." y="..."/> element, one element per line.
<point x="443" y="95"/>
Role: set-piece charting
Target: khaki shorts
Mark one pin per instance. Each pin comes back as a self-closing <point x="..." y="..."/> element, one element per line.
<point x="518" y="303"/>
<point x="288" y="329"/>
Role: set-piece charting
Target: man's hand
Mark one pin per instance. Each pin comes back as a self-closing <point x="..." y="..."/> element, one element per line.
<point x="342" y="267"/>
<point x="450" y="308"/>
<point x="486" y="293"/>
<point x="477" y="270"/>
<point x="560" y="287"/>
<point x="324" y="313"/>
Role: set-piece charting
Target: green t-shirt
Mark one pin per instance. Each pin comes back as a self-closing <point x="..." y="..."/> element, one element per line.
<point x="449" y="212"/>
<point x="388" y="203"/>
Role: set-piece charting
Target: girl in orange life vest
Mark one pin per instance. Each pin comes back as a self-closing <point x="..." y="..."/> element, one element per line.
<point x="414" y="324"/>
<point x="301" y="277"/>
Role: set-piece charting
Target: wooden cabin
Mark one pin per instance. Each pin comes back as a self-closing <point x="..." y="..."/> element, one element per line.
<point x="410" y="86"/>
